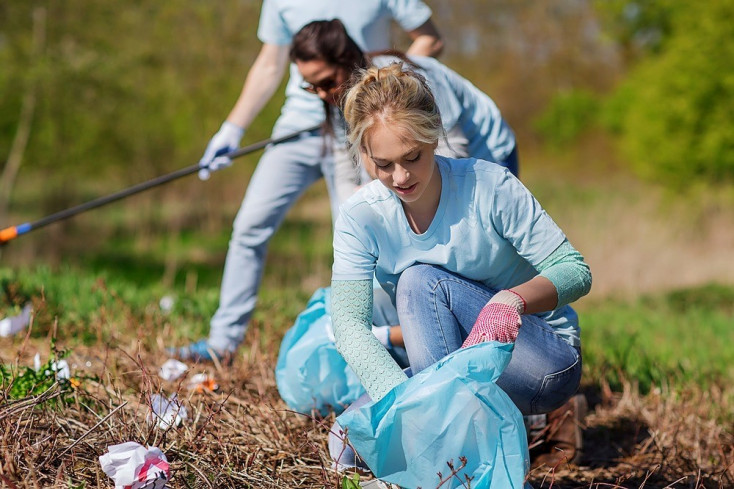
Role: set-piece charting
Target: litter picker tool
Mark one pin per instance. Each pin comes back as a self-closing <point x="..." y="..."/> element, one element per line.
<point x="13" y="232"/>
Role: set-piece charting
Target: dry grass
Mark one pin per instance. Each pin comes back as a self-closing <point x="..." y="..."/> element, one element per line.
<point x="652" y="441"/>
<point x="244" y="436"/>
<point x="240" y="436"/>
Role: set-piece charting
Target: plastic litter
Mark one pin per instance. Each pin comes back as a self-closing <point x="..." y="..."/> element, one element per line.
<point x="202" y="383"/>
<point x="172" y="369"/>
<point x="60" y="367"/>
<point x="166" y="413"/>
<point x="132" y="466"/>
<point x="311" y="375"/>
<point x="15" y="324"/>
<point x="375" y="484"/>
<point x="166" y="303"/>
<point x="451" y="410"/>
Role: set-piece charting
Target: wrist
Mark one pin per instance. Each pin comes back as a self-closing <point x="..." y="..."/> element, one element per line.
<point x="382" y="333"/>
<point x="232" y="130"/>
<point x="510" y="298"/>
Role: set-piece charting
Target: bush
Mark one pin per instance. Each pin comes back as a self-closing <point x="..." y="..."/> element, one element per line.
<point x="568" y="115"/>
<point x="676" y="109"/>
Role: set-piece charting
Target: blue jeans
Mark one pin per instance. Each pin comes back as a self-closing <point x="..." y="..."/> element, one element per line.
<point x="283" y="173"/>
<point x="437" y="310"/>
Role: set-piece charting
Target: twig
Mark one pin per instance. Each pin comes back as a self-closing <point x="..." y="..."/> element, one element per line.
<point x="93" y="428"/>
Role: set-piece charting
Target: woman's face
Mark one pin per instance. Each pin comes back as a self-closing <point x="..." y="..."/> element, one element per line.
<point x="323" y="79"/>
<point x="403" y="165"/>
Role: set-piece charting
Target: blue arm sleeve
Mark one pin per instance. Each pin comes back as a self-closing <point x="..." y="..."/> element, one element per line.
<point x="351" y="315"/>
<point x="566" y="269"/>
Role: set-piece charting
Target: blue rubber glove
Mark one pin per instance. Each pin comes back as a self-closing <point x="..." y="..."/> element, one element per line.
<point x="226" y="140"/>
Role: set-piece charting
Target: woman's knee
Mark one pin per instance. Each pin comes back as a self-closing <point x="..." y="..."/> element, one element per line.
<point x="557" y="388"/>
<point x="415" y="286"/>
<point x="418" y="277"/>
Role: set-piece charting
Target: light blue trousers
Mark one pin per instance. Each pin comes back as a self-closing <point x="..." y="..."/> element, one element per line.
<point x="283" y="173"/>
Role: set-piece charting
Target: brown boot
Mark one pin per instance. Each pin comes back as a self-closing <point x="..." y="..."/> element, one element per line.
<point x="563" y="440"/>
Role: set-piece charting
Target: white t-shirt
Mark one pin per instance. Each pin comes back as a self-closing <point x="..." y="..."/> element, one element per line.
<point x="367" y="22"/>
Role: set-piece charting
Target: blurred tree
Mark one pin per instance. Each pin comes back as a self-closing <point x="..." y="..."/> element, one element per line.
<point x="25" y="120"/>
<point x="567" y="116"/>
<point x="130" y="90"/>
<point x="675" y="110"/>
<point x="523" y="53"/>
<point x="640" y="26"/>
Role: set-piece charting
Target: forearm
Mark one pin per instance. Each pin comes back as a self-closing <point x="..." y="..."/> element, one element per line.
<point x="426" y="41"/>
<point x="539" y="295"/>
<point x="351" y="310"/>
<point x="262" y="81"/>
<point x="564" y="277"/>
<point x="568" y="272"/>
<point x="396" y="336"/>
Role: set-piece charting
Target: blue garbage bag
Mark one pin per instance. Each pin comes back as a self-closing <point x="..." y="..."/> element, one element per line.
<point x="311" y="374"/>
<point x="450" y="410"/>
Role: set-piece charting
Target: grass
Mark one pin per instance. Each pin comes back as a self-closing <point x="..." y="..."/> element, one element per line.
<point x="679" y="337"/>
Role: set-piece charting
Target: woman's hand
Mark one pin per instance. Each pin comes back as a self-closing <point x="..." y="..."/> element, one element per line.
<point x="499" y="319"/>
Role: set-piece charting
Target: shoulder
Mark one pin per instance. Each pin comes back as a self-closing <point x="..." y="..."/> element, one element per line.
<point x="475" y="180"/>
<point x="368" y="202"/>
<point x="424" y="61"/>
<point x="482" y="169"/>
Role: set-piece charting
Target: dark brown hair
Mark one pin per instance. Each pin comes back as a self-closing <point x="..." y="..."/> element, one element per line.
<point x="328" y="41"/>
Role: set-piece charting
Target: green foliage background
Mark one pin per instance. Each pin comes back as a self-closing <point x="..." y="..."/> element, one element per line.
<point x="673" y="111"/>
<point x="128" y="91"/>
<point x="677" y="122"/>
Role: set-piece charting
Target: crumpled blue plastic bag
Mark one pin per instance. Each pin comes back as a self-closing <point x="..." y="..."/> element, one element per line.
<point x="311" y="374"/>
<point x="450" y="410"/>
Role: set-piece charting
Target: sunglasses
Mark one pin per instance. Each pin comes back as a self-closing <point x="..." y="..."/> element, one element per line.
<point x="324" y="85"/>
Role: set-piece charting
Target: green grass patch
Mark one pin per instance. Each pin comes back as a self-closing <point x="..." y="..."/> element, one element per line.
<point x="676" y="338"/>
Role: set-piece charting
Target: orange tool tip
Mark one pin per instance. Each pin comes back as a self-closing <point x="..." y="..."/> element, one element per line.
<point x="8" y="233"/>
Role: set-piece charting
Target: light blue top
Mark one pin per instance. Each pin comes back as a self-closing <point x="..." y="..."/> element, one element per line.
<point x="488" y="227"/>
<point x="464" y="106"/>
<point x="366" y="21"/>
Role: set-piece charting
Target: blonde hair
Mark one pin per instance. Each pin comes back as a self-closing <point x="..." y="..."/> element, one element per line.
<point x="394" y="96"/>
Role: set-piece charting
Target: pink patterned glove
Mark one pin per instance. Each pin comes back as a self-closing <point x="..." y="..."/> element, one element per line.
<point x="499" y="319"/>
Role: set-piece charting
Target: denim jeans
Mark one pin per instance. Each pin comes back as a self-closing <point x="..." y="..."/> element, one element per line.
<point x="283" y="173"/>
<point x="437" y="310"/>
